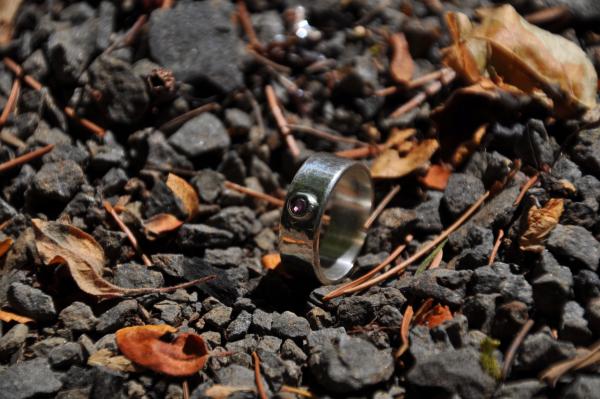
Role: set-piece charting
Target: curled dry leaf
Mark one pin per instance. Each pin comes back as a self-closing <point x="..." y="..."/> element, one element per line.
<point x="185" y="193"/>
<point x="145" y="345"/>
<point x="7" y="317"/>
<point x="540" y="222"/>
<point x="506" y="49"/>
<point x="105" y="358"/>
<point x="402" y="65"/>
<point x="161" y="224"/>
<point x="271" y="261"/>
<point x="59" y="243"/>
<point x="8" y="11"/>
<point x="389" y="165"/>
<point x="437" y="315"/>
<point x="436" y="177"/>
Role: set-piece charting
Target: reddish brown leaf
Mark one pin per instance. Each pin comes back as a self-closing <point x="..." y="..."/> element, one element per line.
<point x="5" y="246"/>
<point x="271" y="261"/>
<point x="438" y="315"/>
<point x="402" y="65"/>
<point x="7" y="317"/>
<point x="144" y="345"/>
<point x="404" y="330"/>
<point x="540" y="222"/>
<point x="161" y="224"/>
<point x="186" y="194"/>
<point x="437" y="177"/>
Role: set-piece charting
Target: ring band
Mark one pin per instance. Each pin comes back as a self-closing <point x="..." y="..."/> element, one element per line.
<point x="322" y="222"/>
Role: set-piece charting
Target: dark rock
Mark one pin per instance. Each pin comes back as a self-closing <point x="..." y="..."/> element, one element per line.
<point x="195" y="53"/>
<point x="70" y="50"/>
<point x="443" y="285"/>
<point x="209" y="184"/>
<point x="289" y="350"/>
<point x="237" y="376"/>
<point x="575" y="246"/>
<point x="78" y="317"/>
<point x="233" y="167"/>
<point x="497" y="278"/>
<point x="587" y="286"/>
<point x="460" y="193"/>
<point x="228" y="287"/>
<point x="238" y="327"/>
<point x="355" y="311"/>
<point x="163" y="200"/>
<point x="218" y="317"/>
<point x="44" y="135"/>
<point x="239" y="220"/>
<point x="29" y="379"/>
<point x="540" y="350"/>
<point x="261" y="322"/>
<point x="107" y="383"/>
<point x="225" y="258"/>
<point x="509" y="319"/>
<point x="117" y="317"/>
<point x="12" y="340"/>
<point x="170" y="312"/>
<point x="58" y="181"/>
<point x="564" y="168"/>
<point x="480" y="310"/>
<point x="573" y="326"/>
<point x="192" y="237"/>
<point x="288" y="325"/>
<point x="31" y="302"/>
<point x="65" y="355"/>
<point x="42" y="348"/>
<point x="107" y="13"/>
<point x="397" y="218"/>
<point x="6" y="211"/>
<point x="584" y="386"/>
<point x="113" y="181"/>
<point x="593" y="315"/>
<point x="467" y="381"/>
<point x="36" y="65"/>
<point x="162" y="154"/>
<point x="349" y="364"/>
<point x="63" y="152"/>
<point x="481" y="242"/>
<point x="131" y="275"/>
<point x="522" y="389"/>
<point x="169" y="264"/>
<point x="238" y="121"/>
<point x="488" y="166"/>
<point x="586" y="151"/>
<point x="428" y="214"/>
<point x="114" y="243"/>
<point x="105" y="157"/>
<point x="535" y="147"/>
<point x="123" y="94"/>
<point x="202" y="135"/>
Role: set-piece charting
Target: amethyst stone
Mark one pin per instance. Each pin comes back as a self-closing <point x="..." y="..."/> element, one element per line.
<point x="298" y="206"/>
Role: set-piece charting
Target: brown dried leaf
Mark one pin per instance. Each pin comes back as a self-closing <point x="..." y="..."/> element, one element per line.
<point x="402" y="65"/>
<point x="399" y="137"/>
<point x="186" y="194"/>
<point x="218" y="391"/>
<point x="160" y="224"/>
<point x="105" y="358"/>
<point x="540" y="222"/>
<point x="437" y="177"/>
<point x="8" y="12"/>
<point x="59" y="243"/>
<point x="553" y="373"/>
<point x="7" y="317"/>
<point x="437" y="315"/>
<point x="271" y="261"/>
<point x="389" y="165"/>
<point x="5" y="246"/>
<point x="507" y="49"/>
<point x="185" y="356"/>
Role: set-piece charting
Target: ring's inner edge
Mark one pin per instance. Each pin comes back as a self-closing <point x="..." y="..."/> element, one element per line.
<point x="343" y="231"/>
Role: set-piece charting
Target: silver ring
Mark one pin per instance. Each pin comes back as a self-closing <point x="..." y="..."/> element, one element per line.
<point x="322" y="222"/>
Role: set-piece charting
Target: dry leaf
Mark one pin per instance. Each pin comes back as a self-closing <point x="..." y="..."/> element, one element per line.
<point x="186" y="194"/>
<point x="553" y="373"/>
<point x="271" y="261"/>
<point x="507" y="49"/>
<point x="437" y="177"/>
<point x="218" y="391"/>
<point x="389" y="165"/>
<point x="5" y="246"/>
<point x="466" y="148"/>
<point x="145" y="346"/>
<point x="540" y="222"/>
<point x="59" y="243"/>
<point x="8" y="12"/>
<point x="399" y="137"/>
<point x="7" y="317"/>
<point x="437" y="316"/>
<point x="160" y="224"/>
<point x="105" y="358"/>
<point x="402" y="65"/>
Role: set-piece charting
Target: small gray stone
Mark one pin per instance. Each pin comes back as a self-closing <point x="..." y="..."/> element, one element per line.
<point x="202" y="135"/>
<point x="522" y="389"/>
<point x="586" y="152"/>
<point x="58" y="181"/>
<point x="288" y="325"/>
<point x="460" y="193"/>
<point x="218" y="317"/>
<point x="29" y="379"/>
<point x="291" y="351"/>
<point x="209" y="184"/>
<point x="261" y="322"/>
<point x="192" y="237"/>
<point x="132" y="275"/>
<point x="573" y="326"/>
<point x="237" y="376"/>
<point x="239" y="220"/>
<point x="65" y="355"/>
<point x="70" y="50"/>
<point x="170" y="312"/>
<point x="117" y="316"/>
<point x="238" y="327"/>
<point x="42" y="348"/>
<point x="225" y="258"/>
<point x="576" y="246"/>
<point x="584" y="386"/>
<point x="539" y="350"/>
<point x="269" y="343"/>
<point x="31" y="302"/>
<point x="12" y="340"/>
<point x="78" y="317"/>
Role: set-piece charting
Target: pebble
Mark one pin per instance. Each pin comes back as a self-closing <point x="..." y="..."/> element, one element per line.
<point x="70" y="50"/>
<point x="31" y="302"/>
<point x="460" y="193"/>
<point x="239" y="326"/>
<point x="193" y="237"/>
<point x="584" y="386"/>
<point x="225" y="258"/>
<point x="65" y="355"/>
<point x="586" y="151"/>
<point x="521" y="389"/>
<point x="12" y="340"/>
<point x="573" y="326"/>
<point x="540" y="350"/>
<point x="574" y="245"/>
<point x="28" y="379"/>
<point x="132" y="275"/>
<point x="261" y="322"/>
<point x="201" y="136"/>
<point x="117" y="316"/>
<point x="78" y="317"/>
<point x="218" y="317"/>
<point x="170" y="312"/>
<point x="288" y="325"/>
<point x="208" y="184"/>
<point x="239" y="220"/>
<point x="498" y="278"/>
<point x="58" y="181"/>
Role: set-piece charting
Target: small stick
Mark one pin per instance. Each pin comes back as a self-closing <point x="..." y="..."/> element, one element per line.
<point x="253" y="193"/>
<point x="259" y="384"/>
<point x="11" y="101"/>
<point x="131" y="34"/>
<point x="281" y="121"/>
<point x="246" y="22"/>
<point x="528" y="184"/>
<point x="404" y="330"/>
<point x="297" y="391"/>
<point x="321" y="133"/>
<point x="422" y="251"/>
<point x="496" y="247"/>
<point x="20" y="160"/>
<point x="184" y="385"/>
<point x="257" y="112"/>
<point x="183" y="118"/>
<point x="514" y="346"/>
<point x="437" y="260"/>
<point x="127" y="231"/>
<point x="91" y="126"/>
<point x="268" y="62"/>
<point x="362" y="152"/>
<point x="384" y="202"/>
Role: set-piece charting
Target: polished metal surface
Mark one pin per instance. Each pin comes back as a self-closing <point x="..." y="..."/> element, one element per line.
<point x="322" y="222"/>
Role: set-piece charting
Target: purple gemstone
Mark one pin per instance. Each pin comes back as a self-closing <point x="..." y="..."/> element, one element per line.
<point x="298" y="206"/>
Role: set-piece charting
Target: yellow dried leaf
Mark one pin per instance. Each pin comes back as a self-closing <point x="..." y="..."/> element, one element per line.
<point x="271" y="261"/>
<point x="161" y="224"/>
<point x="540" y="222"/>
<point x="106" y="358"/>
<point x="389" y="164"/>
<point x="7" y="317"/>
<point x="185" y="193"/>
<point x="402" y="65"/>
<point x="507" y="49"/>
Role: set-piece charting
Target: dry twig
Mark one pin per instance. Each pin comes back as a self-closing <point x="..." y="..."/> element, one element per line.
<point x="496" y="247"/>
<point x="253" y="193"/>
<point x="404" y="330"/>
<point x="514" y="346"/>
<point x="259" y="383"/>
<point x="20" y="160"/>
<point x="384" y="202"/>
<point x="246" y="22"/>
<point x="183" y="118"/>
<point x="281" y="121"/>
<point x="325" y="135"/>
<point x="127" y="231"/>
<point x="528" y="184"/>
<point x="11" y="101"/>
